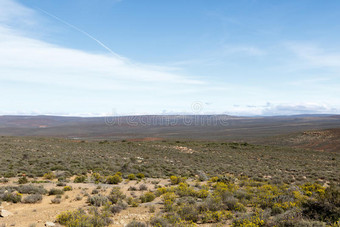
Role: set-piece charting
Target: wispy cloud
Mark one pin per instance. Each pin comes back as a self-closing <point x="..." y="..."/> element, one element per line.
<point x="315" y="55"/>
<point x="33" y="71"/>
<point x="39" y="77"/>
<point x="302" y="108"/>
<point x="11" y="12"/>
<point x="32" y="60"/>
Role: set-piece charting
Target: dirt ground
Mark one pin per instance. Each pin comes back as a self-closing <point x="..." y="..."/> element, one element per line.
<point x="27" y="215"/>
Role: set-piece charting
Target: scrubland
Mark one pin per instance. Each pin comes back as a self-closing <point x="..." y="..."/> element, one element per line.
<point x="166" y="183"/>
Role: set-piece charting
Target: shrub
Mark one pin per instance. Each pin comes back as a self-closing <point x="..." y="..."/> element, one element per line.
<point x="143" y="187"/>
<point x="140" y="175"/>
<point x="255" y="219"/>
<point x="80" y="179"/>
<point x="132" y="188"/>
<point x="326" y="207"/>
<point x="131" y="176"/>
<point x="4" y="180"/>
<point x="67" y="188"/>
<point x="216" y="216"/>
<point x="31" y="189"/>
<point x="159" y="221"/>
<point x="230" y="202"/>
<point x="147" y="197"/>
<point x="152" y="209"/>
<point x="169" y="198"/>
<point x="116" y="195"/>
<point x="94" y="191"/>
<point x="34" y="198"/>
<point x="23" y="180"/>
<point x="176" y="180"/>
<point x="136" y="224"/>
<point x="11" y="197"/>
<point x="61" y="184"/>
<point x="202" y="176"/>
<point x="115" y="209"/>
<point x="96" y="178"/>
<point x="184" y="189"/>
<point x="79" y="218"/>
<point x="133" y="202"/>
<point x="212" y="203"/>
<point x="202" y="193"/>
<point x="213" y="179"/>
<point x="310" y="189"/>
<point x="188" y="212"/>
<point x="288" y="217"/>
<point x="56" y="200"/>
<point x="97" y="200"/>
<point x="277" y="210"/>
<point x="55" y="191"/>
<point x="115" y="179"/>
<point x="49" y="176"/>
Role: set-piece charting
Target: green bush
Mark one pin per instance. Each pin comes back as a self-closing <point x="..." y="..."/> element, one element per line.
<point x="80" y="218"/>
<point x="147" y="197"/>
<point x="325" y="208"/>
<point x="49" y="175"/>
<point x="67" y="188"/>
<point x="80" y="179"/>
<point x="115" y="179"/>
<point x="116" y="195"/>
<point x="140" y="175"/>
<point x="133" y="202"/>
<point x="132" y="176"/>
<point x="55" y="191"/>
<point x="177" y="180"/>
<point x="96" y="177"/>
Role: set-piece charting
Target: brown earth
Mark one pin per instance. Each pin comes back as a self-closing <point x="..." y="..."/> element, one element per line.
<point x="25" y="215"/>
<point x="320" y="140"/>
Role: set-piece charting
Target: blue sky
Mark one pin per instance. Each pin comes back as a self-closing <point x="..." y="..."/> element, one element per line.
<point x="122" y="57"/>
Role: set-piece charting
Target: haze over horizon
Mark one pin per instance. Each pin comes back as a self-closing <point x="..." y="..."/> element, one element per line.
<point x="126" y="57"/>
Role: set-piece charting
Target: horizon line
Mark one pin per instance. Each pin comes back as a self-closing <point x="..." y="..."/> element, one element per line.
<point x="160" y="115"/>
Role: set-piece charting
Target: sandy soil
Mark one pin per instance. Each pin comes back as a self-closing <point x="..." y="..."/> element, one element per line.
<point x="26" y="215"/>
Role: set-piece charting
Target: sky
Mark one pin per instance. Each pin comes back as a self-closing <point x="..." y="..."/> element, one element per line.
<point x="132" y="57"/>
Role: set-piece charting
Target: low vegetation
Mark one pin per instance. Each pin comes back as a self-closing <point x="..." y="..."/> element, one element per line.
<point x="218" y="184"/>
<point x="37" y="157"/>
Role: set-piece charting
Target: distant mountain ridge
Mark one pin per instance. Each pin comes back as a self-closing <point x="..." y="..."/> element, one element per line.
<point x="217" y="127"/>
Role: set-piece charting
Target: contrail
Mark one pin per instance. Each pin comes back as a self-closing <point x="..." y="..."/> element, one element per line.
<point x="81" y="31"/>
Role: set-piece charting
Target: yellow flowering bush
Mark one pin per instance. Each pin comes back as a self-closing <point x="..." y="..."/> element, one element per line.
<point x="169" y="199"/>
<point x="49" y="176"/>
<point x="313" y="188"/>
<point x="216" y="216"/>
<point x="96" y="177"/>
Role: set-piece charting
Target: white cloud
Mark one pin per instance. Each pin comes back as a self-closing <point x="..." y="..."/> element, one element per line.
<point x="299" y="108"/>
<point x="39" y="77"/>
<point x="11" y="12"/>
<point x="45" y="78"/>
<point x="31" y="60"/>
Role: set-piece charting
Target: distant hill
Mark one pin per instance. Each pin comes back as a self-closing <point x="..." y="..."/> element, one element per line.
<point x="180" y="127"/>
